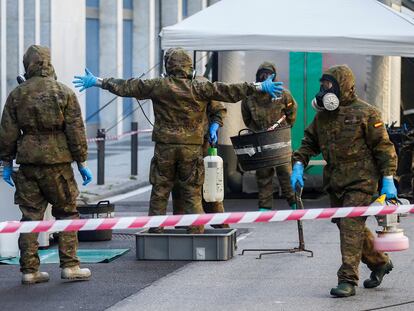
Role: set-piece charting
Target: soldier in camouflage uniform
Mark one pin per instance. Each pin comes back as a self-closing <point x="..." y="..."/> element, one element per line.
<point x="180" y="103"/>
<point x="355" y="144"/>
<point x="42" y="128"/>
<point x="259" y="113"/>
<point x="216" y="112"/>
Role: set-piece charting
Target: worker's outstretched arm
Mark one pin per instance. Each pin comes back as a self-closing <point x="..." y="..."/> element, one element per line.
<point x="235" y="92"/>
<point x="140" y="89"/>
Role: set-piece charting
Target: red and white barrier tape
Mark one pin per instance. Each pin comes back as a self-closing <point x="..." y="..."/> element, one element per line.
<point x="196" y="219"/>
<point x="117" y="137"/>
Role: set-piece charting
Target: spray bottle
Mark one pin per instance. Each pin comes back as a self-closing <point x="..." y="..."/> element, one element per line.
<point x="213" y="188"/>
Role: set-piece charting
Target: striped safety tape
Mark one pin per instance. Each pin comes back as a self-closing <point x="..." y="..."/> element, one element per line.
<point x="196" y="219"/>
<point x="117" y="137"/>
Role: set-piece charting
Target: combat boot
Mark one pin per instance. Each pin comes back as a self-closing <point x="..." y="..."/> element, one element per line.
<point x="75" y="273"/>
<point x="36" y="277"/>
<point x="343" y="289"/>
<point x="377" y="275"/>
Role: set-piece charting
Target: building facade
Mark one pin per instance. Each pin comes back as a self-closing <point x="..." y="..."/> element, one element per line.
<point x="113" y="38"/>
<point x="119" y="38"/>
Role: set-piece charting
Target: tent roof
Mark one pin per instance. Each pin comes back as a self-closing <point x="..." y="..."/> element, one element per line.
<point x="342" y="26"/>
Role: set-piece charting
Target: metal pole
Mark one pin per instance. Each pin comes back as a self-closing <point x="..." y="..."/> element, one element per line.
<point x="134" y="149"/>
<point x="214" y="72"/>
<point x="101" y="156"/>
<point x="305" y="87"/>
<point x="161" y="52"/>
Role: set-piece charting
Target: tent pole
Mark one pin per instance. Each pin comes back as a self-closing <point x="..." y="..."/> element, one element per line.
<point x="161" y="51"/>
<point x="305" y="87"/>
<point x="214" y="71"/>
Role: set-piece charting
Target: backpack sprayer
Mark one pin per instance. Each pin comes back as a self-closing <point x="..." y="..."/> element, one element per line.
<point x="390" y="238"/>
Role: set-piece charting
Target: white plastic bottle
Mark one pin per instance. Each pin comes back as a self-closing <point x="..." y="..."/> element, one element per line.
<point x="213" y="188"/>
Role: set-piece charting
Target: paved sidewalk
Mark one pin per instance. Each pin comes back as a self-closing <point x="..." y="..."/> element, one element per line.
<point x="118" y="177"/>
<point x="278" y="282"/>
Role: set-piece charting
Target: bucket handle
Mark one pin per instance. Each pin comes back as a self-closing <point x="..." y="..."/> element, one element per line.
<point x="248" y="130"/>
<point x="104" y="202"/>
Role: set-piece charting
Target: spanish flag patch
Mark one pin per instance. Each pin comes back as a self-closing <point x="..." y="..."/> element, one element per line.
<point x="378" y="124"/>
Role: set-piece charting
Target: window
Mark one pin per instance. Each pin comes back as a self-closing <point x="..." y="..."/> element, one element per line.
<point x="128" y="4"/>
<point x="92" y="3"/>
<point x="185" y="8"/>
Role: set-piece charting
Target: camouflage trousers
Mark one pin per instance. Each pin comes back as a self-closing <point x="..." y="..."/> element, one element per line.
<point x="264" y="177"/>
<point x="36" y="186"/>
<point x="179" y="207"/>
<point x="181" y="164"/>
<point x="357" y="241"/>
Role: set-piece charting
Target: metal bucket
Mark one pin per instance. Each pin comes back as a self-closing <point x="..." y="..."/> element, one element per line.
<point x="104" y="209"/>
<point x="263" y="149"/>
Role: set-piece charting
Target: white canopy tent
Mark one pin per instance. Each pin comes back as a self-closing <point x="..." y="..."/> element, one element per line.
<point x="363" y="27"/>
<point x="347" y="26"/>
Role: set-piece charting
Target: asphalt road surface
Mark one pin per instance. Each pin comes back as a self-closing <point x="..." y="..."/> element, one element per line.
<point x="275" y="282"/>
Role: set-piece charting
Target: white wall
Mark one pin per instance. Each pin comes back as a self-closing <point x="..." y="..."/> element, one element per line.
<point x="3" y="54"/>
<point x="67" y="41"/>
<point x="111" y="59"/>
<point x="358" y="64"/>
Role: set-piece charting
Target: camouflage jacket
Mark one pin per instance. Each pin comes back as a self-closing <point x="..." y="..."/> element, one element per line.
<point x="259" y="112"/>
<point x="42" y="121"/>
<point x="353" y="141"/>
<point x="216" y="112"/>
<point x="180" y="104"/>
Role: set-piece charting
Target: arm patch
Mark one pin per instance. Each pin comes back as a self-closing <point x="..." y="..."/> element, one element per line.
<point x="378" y="124"/>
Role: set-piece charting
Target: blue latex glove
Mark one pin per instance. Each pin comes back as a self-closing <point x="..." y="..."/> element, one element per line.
<point x="297" y="175"/>
<point x="85" y="81"/>
<point x="272" y="88"/>
<point x="388" y="187"/>
<point x="7" y="173"/>
<point x="212" y="131"/>
<point x="86" y="175"/>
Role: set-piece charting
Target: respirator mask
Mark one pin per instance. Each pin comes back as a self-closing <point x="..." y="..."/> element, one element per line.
<point x="328" y="96"/>
<point x="263" y="74"/>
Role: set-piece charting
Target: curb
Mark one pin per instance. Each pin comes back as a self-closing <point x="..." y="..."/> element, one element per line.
<point x="122" y="188"/>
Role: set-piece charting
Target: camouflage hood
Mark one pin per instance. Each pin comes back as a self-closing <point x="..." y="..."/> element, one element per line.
<point x="37" y="62"/>
<point x="346" y="80"/>
<point x="265" y="66"/>
<point x="178" y="63"/>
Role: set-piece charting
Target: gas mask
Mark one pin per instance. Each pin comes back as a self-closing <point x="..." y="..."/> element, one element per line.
<point x="328" y="96"/>
<point x="263" y="74"/>
<point x="20" y="79"/>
